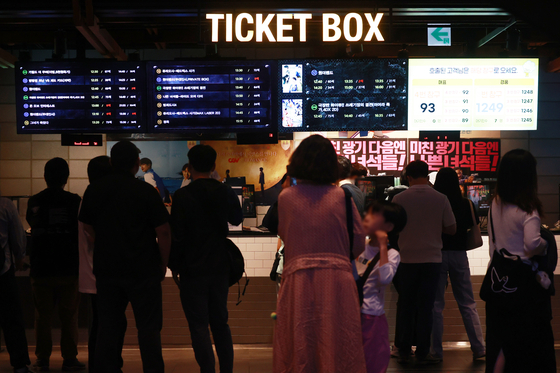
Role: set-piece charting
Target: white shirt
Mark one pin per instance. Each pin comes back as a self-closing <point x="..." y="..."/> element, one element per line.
<point x="185" y="182"/>
<point x="516" y="231"/>
<point x="379" y="278"/>
<point x="149" y="178"/>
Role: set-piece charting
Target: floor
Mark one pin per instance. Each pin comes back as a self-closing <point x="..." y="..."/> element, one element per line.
<point x="252" y="359"/>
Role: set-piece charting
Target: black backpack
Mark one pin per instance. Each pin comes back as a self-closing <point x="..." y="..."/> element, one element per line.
<point x="237" y="268"/>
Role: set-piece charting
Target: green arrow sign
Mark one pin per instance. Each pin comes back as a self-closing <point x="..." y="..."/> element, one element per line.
<point x="437" y="34"/>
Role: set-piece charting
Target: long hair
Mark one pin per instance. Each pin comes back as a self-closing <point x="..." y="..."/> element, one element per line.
<point x="517" y="181"/>
<point x="447" y="183"/>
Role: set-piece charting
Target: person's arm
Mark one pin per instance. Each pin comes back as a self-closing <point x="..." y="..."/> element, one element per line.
<point x="382" y="241"/>
<point x="16" y="236"/>
<point x="449" y="225"/>
<point x="279" y="244"/>
<point x="149" y="178"/>
<point x="388" y="270"/>
<point x="534" y="244"/>
<point x="163" y="233"/>
<point x="235" y="213"/>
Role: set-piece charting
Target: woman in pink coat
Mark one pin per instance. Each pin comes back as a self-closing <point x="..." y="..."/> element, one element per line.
<point x="318" y="315"/>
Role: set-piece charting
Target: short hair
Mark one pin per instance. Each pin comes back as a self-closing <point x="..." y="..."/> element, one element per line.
<point x="99" y="167"/>
<point x="124" y="155"/>
<point x="202" y="158"/>
<point x="359" y="170"/>
<point x="393" y="213"/>
<point x="146" y="161"/>
<point x="417" y="169"/>
<point x="344" y="167"/>
<point x="56" y="173"/>
<point x="314" y="160"/>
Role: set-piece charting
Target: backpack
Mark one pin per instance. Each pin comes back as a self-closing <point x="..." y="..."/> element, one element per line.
<point x="237" y="268"/>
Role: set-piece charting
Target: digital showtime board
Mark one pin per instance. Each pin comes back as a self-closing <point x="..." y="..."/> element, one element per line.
<point x="473" y="94"/>
<point x="211" y="96"/>
<point x="80" y="97"/>
<point x="341" y="95"/>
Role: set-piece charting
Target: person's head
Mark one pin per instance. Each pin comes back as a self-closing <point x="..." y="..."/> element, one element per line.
<point x="459" y="172"/>
<point x="517" y="181"/>
<point x="417" y="173"/>
<point x="314" y="160"/>
<point x="261" y="169"/>
<point x="358" y="171"/>
<point x="185" y="171"/>
<point x="99" y="167"/>
<point x="145" y="164"/>
<point x="202" y="160"/>
<point x="447" y="183"/>
<point x="404" y="179"/>
<point x="385" y="216"/>
<point x="227" y="172"/>
<point x="344" y="167"/>
<point x="124" y="157"/>
<point x="56" y="173"/>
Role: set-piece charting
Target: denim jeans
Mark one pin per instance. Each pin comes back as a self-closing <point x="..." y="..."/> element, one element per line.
<point x="455" y="265"/>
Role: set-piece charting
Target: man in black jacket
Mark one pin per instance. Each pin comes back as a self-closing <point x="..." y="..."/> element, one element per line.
<point x="199" y="260"/>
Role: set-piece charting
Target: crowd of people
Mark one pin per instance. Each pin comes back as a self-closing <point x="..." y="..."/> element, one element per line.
<point x="114" y="247"/>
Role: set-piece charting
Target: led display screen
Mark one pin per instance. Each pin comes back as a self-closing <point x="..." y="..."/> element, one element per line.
<point x="473" y="94"/>
<point x="211" y="96"/>
<point x="90" y="96"/>
<point x="342" y="95"/>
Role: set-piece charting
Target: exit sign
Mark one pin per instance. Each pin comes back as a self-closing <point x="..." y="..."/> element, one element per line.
<point x="439" y="36"/>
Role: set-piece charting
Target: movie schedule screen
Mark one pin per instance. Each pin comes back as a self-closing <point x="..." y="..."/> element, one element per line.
<point x="225" y="96"/>
<point x="341" y="95"/>
<point x="473" y="94"/>
<point x="80" y="97"/>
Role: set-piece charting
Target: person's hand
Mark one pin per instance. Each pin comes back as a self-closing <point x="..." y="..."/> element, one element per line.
<point x="177" y="279"/>
<point x="382" y="238"/>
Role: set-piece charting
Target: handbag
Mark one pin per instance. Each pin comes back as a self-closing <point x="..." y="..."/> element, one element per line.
<point x="508" y="281"/>
<point x="274" y="269"/>
<point x="474" y="237"/>
<point x="237" y="268"/>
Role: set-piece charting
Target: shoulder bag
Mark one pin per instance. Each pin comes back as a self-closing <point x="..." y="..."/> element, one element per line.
<point x="508" y="281"/>
<point x="474" y="237"/>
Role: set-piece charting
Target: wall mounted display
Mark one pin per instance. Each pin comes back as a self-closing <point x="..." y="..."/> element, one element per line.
<point x="90" y="96"/>
<point x="342" y="95"/>
<point x="211" y="96"/>
<point x="473" y="94"/>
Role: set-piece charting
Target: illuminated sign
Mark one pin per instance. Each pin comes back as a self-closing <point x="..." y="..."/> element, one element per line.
<point x="473" y="94"/>
<point x="392" y="155"/>
<point x="245" y="27"/>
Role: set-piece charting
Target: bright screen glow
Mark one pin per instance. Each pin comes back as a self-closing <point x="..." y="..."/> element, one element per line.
<point x="473" y="94"/>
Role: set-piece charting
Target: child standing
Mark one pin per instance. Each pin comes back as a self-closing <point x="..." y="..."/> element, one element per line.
<point x="383" y="222"/>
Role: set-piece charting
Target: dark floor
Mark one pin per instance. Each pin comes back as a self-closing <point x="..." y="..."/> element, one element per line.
<point x="252" y="359"/>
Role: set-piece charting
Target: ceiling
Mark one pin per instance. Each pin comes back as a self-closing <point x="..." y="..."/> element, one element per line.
<point x="118" y="27"/>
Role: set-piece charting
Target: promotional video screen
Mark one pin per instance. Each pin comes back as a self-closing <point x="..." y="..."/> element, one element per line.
<point x="90" y="97"/>
<point x="473" y="94"/>
<point x="480" y="195"/>
<point x="211" y="96"/>
<point x="341" y="95"/>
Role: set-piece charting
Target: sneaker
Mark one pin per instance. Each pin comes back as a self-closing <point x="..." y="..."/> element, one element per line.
<point x="72" y="365"/>
<point x="41" y="365"/>
<point x="429" y="360"/>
